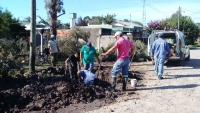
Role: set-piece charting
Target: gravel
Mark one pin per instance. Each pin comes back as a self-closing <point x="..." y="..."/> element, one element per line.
<point x="177" y="93"/>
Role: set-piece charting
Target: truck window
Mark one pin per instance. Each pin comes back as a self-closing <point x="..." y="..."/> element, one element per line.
<point x="170" y="38"/>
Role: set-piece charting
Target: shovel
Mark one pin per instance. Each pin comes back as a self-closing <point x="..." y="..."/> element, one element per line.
<point x="131" y="61"/>
<point x="100" y="62"/>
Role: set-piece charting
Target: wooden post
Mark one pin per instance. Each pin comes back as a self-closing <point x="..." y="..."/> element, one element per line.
<point x="32" y="37"/>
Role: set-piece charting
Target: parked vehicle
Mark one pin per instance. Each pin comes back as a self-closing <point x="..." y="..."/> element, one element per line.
<point x="175" y="38"/>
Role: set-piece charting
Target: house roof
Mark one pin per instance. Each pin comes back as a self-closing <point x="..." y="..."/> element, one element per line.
<point x="126" y="23"/>
<point x="38" y="26"/>
<point x="63" y="32"/>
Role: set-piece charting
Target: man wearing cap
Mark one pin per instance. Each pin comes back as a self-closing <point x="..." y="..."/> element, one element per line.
<point x="87" y="55"/>
<point x="53" y="49"/>
<point x="158" y="52"/>
<point x="123" y="58"/>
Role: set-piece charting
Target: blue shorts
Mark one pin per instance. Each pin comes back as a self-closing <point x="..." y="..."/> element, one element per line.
<point x="121" y="65"/>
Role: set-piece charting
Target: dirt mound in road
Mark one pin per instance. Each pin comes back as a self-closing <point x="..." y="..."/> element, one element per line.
<point x="34" y="93"/>
<point x="43" y="91"/>
<point x="104" y="74"/>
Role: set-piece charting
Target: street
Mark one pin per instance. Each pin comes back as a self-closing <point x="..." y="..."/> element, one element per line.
<point x="177" y="93"/>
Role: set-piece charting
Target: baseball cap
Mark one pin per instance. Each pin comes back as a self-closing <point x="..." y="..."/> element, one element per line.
<point x="160" y="35"/>
<point x="117" y="33"/>
<point x="89" y="44"/>
<point x="52" y="36"/>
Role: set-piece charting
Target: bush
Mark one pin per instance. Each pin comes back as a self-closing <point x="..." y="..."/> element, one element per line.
<point x="11" y="53"/>
<point x="140" y="50"/>
<point x="110" y="57"/>
<point x="140" y="53"/>
<point x="67" y="47"/>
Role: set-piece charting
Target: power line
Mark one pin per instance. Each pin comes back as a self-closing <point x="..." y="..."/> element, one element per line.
<point x="81" y="5"/>
<point x="161" y="4"/>
<point x="194" y="13"/>
<point x="187" y="10"/>
<point x="161" y="12"/>
<point x="144" y="14"/>
<point x="154" y="8"/>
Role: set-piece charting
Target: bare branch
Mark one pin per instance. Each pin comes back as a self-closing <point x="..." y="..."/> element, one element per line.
<point x="60" y="15"/>
<point x="43" y="21"/>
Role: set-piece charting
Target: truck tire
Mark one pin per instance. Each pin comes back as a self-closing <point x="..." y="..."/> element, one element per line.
<point x="152" y="62"/>
<point x="188" y="58"/>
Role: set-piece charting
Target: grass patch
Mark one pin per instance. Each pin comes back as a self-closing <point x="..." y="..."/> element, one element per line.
<point x="194" y="46"/>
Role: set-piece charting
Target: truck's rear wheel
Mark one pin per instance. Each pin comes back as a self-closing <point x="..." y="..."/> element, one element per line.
<point x="153" y="63"/>
<point x="188" y="58"/>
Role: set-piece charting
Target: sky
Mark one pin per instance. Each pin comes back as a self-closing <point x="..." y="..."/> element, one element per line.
<point x="123" y="9"/>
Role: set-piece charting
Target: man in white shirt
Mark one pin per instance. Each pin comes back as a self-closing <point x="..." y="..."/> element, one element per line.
<point x="53" y="49"/>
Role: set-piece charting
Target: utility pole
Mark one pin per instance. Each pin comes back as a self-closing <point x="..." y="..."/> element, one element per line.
<point x="144" y="14"/>
<point x="130" y="22"/>
<point x="32" y="37"/>
<point x="179" y="10"/>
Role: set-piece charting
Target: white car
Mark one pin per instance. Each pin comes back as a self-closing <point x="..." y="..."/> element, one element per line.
<point x="175" y="38"/>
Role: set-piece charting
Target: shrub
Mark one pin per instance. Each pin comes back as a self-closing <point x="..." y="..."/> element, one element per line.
<point x="68" y="46"/>
<point x="140" y="50"/>
<point x="140" y="53"/>
<point x="110" y="57"/>
<point x="11" y="52"/>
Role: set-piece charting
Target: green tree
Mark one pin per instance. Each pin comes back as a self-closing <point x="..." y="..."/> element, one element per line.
<point x="126" y="20"/>
<point x="186" y="25"/>
<point x="108" y="19"/>
<point x="87" y="18"/>
<point x="96" y="20"/>
<point x="190" y="29"/>
<point x="10" y="26"/>
<point x="27" y="19"/>
<point x="137" y="22"/>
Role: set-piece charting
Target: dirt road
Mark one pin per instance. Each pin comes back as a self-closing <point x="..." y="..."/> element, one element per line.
<point x="179" y="92"/>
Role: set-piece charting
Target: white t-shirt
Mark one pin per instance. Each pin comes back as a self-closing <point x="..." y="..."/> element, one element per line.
<point x="53" y="46"/>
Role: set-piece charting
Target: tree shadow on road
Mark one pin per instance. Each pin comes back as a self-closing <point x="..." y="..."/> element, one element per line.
<point x="182" y="76"/>
<point x="193" y="63"/>
<point x="171" y="87"/>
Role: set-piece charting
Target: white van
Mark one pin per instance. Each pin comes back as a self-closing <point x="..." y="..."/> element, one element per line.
<point x="175" y="38"/>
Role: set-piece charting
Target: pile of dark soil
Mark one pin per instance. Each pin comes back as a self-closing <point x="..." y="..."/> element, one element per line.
<point x="51" y="89"/>
<point x="36" y="93"/>
<point x="104" y="74"/>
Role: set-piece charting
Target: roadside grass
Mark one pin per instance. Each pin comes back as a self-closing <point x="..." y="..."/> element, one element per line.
<point x="39" y="66"/>
<point x="194" y="46"/>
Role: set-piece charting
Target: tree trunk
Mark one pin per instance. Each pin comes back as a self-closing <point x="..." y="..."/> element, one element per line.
<point x="53" y="27"/>
<point x="32" y="38"/>
<point x="53" y="14"/>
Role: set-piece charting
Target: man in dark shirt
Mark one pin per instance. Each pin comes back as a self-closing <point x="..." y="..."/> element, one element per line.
<point x="73" y="64"/>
